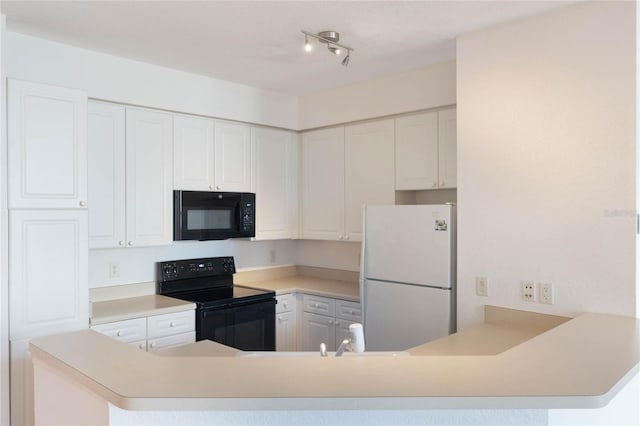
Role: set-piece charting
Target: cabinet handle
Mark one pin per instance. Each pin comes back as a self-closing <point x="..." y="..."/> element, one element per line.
<point x="442" y="183"/>
<point x="210" y="186"/>
<point x="152" y="345"/>
<point x="141" y="345"/>
<point x="279" y="318"/>
<point x="330" y="321"/>
<point x="120" y="243"/>
<point x="82" y="204"/>
<point x="118" y="333"/>
<point x="284" y="305"/>
<point x="217" y="186"/>
<point x="434" y="185"/>
<point x="346" y="237"/>
<point x="171" y="324"/>
<point x="130" y="243"/>
<point x="353" y="312"/>
<point x="341" y="238"/>
<point x="338" y="323"/>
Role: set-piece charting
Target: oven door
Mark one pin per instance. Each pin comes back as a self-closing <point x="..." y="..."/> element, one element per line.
<point x="244" y="326"/>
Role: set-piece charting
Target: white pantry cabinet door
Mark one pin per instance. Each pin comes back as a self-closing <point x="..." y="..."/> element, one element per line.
<point x="106" y="155"/>
<point x="48" y="278"/>
<point x="417" y="151"/>
<point x="275" y="182"/>
<point x="47" y="146"/>
<point x="369" y="171"/>
<point x="149" y="178"/>
<point x="232" y="157"/>
<point x="322" y="188"/>
<point x="192" y="153"/>
<point x="447" y="154"/>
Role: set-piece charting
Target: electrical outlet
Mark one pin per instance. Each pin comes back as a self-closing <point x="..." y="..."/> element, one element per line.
<point x="482" y="286"/>
<point x="528" y="291"/>
<point x="546" y="293"/>
<point x="114" y="270"/>
<point x="272" y="255"/>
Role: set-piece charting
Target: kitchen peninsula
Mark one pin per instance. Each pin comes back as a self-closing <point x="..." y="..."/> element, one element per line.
<point x="564" y="369"/>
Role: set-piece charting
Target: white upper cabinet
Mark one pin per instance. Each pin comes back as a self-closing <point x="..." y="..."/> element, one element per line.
<point x="342" y="170"/>
<point x="232" y="157"/>
<point x="193" y="153"/>
<point x="48" y="278"/>
<point x="149" y="178"/>
<point x="426" y="150"/>
<point x="369" y="171"/>
<point x="417" y="151"/>
<point x="322" y="186"/>
<point x="106" y="148"/>
<point x="447" y="151"/>
<point x="275" y="182"/>
<point x="47" y="146"/>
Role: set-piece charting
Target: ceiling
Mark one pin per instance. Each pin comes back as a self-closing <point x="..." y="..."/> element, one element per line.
<point x="259" y="43"/>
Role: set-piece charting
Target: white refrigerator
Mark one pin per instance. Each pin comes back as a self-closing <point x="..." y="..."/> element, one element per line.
<point x="407" y="275"/>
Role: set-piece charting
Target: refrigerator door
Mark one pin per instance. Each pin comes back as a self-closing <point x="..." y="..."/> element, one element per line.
<point x="408" y="244"/>
<point x="398" y="316"/>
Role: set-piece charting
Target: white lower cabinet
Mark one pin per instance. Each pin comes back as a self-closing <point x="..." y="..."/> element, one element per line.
<point x="326" y="320"/>
<point x="155" y="332"/>
<point x="286" y="322"/>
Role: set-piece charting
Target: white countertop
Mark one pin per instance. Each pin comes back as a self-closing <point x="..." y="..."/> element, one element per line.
<point x="581" y="363"/>
<point x="309" y="285"/>
<point x="136" y="307"/>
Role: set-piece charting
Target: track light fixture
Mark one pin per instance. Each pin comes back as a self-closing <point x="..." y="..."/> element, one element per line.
<point x="331" y="39"/>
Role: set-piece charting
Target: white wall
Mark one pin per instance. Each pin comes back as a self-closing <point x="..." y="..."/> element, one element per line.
<point x="424" y="88"/>
<point x="4" y="276"/>
<point x="137" y="265"/>
<point x="122" y="80"/>
<point x="546" y="161"/>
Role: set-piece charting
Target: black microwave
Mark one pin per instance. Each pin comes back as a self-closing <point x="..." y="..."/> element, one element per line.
<point x="201" y="215"/>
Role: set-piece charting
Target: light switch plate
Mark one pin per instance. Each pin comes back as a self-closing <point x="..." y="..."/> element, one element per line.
<point x="482" y="286"/>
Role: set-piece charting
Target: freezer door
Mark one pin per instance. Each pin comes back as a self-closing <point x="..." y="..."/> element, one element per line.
<point x="408" y="244"/>
<point x="398" y="316"/>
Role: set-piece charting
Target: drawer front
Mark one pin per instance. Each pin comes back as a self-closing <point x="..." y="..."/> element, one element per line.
<point x="319" y="305"/>
<point x="140" y="344"/>
<point x="126" y="331"/>
<point x="170" y="324"/>
<point x="349" y="311"/>
<point x="286" y="303"/>
<point x="171" y="341"/>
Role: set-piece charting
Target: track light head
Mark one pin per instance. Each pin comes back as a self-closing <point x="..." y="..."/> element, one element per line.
<point x="308" y="47"/>
<point x="331" y="39"/>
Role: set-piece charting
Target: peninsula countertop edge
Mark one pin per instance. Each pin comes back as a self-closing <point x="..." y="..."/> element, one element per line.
<point x="565" y="370"/>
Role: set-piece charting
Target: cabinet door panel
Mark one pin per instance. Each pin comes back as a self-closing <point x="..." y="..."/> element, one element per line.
<point x="272" y="181"/>
<point x="323" y="184"/>
<point x="286" y="331"/>
<point x="47" y="146"/>
<point x="192" y="153"/>
<point x="317" y="329"/>
<point x="106" y="156"/>
<point x="232" y="157"/>
<point x="369" y="171"/>
<point x="48" y="290"/>
<point x="149" y="176"/>
<point x="417" y="151"/>
<point x="447" y="153"/>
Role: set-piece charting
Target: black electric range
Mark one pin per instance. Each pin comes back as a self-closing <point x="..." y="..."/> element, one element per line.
<point x="237" y="316"/>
